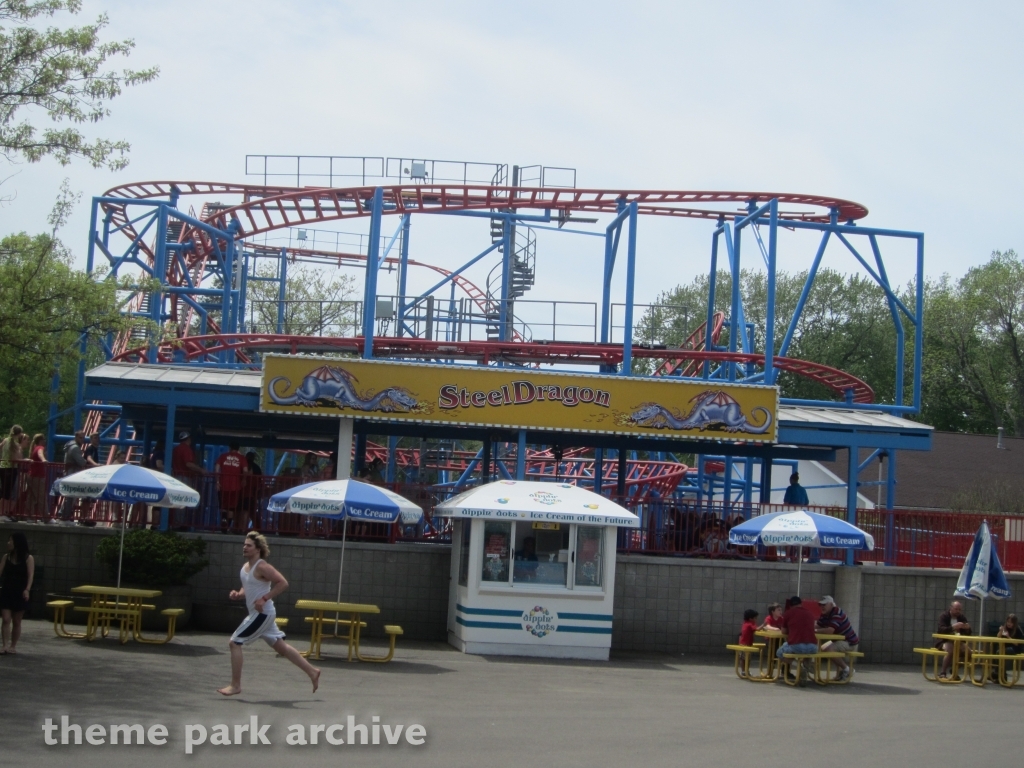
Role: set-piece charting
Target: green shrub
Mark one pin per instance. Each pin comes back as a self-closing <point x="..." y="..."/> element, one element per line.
<point x="153" y="558"/>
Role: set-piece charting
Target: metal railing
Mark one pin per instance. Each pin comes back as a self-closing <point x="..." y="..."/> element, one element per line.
<point x="903" y="537"/>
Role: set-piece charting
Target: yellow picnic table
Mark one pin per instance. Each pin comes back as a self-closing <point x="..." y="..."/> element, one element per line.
<point x="354" y="623"/>
<point x="972" y="652"/>
<point x="124" y="605"/>
<point x="769" y="665"/>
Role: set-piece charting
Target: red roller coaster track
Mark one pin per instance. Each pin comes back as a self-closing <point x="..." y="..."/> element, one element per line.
<point x="198" y="348"/>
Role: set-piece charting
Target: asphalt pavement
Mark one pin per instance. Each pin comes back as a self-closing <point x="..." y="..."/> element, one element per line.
<point x="475" y="711"/>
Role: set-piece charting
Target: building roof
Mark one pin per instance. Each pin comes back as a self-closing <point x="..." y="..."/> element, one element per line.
<point x="956" y="462"/>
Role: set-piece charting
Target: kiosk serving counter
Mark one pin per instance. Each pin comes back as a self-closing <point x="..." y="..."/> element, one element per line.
<point x="533" y="569"/>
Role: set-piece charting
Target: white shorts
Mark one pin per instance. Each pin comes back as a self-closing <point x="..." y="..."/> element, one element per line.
<point x="257" y="625"/>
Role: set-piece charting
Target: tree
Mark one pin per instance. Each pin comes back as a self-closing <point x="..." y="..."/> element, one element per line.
<point x="47" y="307"/>
<point x="974" y="348"/>
<point x="845" y="324"/>
<point x="59" y="72"/>
<point x="317" y="303"/>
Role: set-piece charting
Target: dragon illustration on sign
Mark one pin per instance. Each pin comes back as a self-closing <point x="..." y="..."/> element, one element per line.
<point x="331" y="385"/>
<point x="713" y="409"/>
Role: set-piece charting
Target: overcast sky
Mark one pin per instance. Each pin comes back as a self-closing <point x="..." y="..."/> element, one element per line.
<point x="912" y="109"/>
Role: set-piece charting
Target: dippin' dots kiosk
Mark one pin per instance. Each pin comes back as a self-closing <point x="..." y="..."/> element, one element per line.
<point x="533" y="569"/>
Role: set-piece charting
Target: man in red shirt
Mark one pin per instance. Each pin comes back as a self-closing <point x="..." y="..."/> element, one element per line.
<point x="798" y="629"/>
<point x="183" y="460"/>
<point x="229" y="469"/>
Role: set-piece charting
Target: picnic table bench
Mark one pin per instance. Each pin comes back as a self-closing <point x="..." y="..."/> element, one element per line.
<point x="353" y="623"/>
<point x="106" y="606"/>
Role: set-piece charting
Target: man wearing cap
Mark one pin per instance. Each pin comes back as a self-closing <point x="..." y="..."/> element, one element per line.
<point x="834" y="621"/>
<point x="798" y="629"/>
<point x="183" y="460"/>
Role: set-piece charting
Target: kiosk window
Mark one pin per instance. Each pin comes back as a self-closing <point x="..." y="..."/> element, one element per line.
<point x="589" y="556"/>
<point x="542" y="554"/>
<point x="497" y="537"/>
<point x="465" y="527"/>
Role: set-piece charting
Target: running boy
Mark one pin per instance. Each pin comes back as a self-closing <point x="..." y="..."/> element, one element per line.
<point x="261" y="583"/>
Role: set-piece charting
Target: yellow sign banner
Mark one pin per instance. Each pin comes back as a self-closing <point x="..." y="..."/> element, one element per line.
<point x="518" y="398"/>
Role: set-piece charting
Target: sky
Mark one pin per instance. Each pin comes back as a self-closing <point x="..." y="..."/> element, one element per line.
<point x="908" y="108"/>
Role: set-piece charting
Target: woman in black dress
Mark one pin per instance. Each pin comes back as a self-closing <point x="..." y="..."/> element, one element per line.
<point x="17" y="569"/>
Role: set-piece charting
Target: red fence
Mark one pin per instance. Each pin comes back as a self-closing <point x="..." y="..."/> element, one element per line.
<point x="903" y="537"/>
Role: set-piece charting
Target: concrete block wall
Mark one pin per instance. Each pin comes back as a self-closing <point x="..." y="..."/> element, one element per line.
<point x="900" y="609"/>
<point x="669" y="605"/>
<point x="679" y="605"/>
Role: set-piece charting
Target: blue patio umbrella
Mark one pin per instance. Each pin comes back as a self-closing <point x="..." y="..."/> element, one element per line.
<point x="128" y="484"/>
<point x="800" y="529"/>
<point x="344" y="499"/>
<point x="982" y="575"/>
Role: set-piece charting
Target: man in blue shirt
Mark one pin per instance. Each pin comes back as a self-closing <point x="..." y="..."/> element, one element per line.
<point x="795" y="494"/>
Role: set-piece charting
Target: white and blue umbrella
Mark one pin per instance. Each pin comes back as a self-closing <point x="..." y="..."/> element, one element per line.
<point x="982" y="575"/>
<point x="128" y="484"/>
<point x="344" y="499"/>
<point x="800" y="529"/>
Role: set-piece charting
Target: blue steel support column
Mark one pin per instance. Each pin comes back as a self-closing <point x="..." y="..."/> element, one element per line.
<point x="851" y="493"/>
<point x="727" y="485"/>
<point x="769" y="330"/>
<point x="90" y="254"/>
<point x="372" y="265"/>
<point x="919" y="328"/>
<point x="165" y="515"/>
<point x="812" y="273"/>
<point x="627" y="331"/>
<point x="890" y="502"/>
<point x="156" y="298"/>
<point x="282" y="275"/>
<point x="392" y="469"/>
<point x="360" y="460"/>
<point x="766" y="480"/>
<point x="712" y="283"/>
<point x="748" y="484"/>
<point x="521" y="456"/>
<point x="736" y="311"/>
<point x="403" y="272"/>
<point x="242" y="291"/>
<point x="83" y="348"/>
<point x="611" y="247"/>
<point x="598" y="469"/>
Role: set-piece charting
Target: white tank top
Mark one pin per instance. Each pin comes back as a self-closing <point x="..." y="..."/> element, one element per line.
<point x="255" y="589"/>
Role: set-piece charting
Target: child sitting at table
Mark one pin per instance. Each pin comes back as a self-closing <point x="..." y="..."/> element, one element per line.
<point x="774" y="618"/>
<point x="749" y="627"/>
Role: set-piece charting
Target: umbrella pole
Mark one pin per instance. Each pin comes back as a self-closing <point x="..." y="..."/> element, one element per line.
<point x="341" y="568"/>
<point x="981" y="619"/>
<point x="799" y="566"/>
<point x="120" y="555"/>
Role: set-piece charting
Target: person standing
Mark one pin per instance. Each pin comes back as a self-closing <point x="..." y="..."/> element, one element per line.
<point x="74" y="461"/>
<point x="261" y="583"/>
<point x="311" y="468"/>
<point x="37" y="477"/>
<point x="17" y="571"/>
<point x="252" y="492"/>
<point x="183" y="461"/>
<point x="91" y="452"/>
<point x="10" y="455"/>
<point x="796" y="495"/>
<point x="228" y="471"/>
<point x="834" y="621"/>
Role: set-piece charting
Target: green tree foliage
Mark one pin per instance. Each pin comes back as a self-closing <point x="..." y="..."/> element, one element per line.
<point x="46" y="305"/>
<point x="846" y="324"/>
<point x="318" y="302"/>
<point x="974" y="348"/>
<point x="153" y="559"/>
<point x="58" y="71"/>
